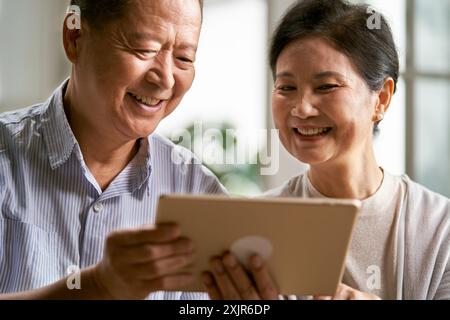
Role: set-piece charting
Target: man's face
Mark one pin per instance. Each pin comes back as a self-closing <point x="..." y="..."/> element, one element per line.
<point x="135" y="71"/>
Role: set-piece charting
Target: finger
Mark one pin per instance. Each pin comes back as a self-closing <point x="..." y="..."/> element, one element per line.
<point x="150" y="252"/>
<point x="151" y="234"/>
<point x="322" y="297"/>
<point x="211" y="286"/>
<point x="226" y="286"/>
<point x="342" y="292"/>
<point x="169" y="282"/>
<point x="264" y="283"/>
<point x="240" y="278"/>
<point x="162" y="267"/>
<point x="355" y="295"/>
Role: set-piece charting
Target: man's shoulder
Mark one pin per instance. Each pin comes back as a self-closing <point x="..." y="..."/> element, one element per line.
<point x="13" y="123"/>
<point x="11" y="118"/>
<point x="170" y="151"/>
<point x="183" y="166"/>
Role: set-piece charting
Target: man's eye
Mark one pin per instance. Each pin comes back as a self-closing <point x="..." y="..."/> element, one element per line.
<point x="327" y="87"/>
<point x="185" y="59"/>
<point x="147" y="52"/>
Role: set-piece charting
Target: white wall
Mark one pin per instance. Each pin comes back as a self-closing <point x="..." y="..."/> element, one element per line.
<point x="32" y="62"/>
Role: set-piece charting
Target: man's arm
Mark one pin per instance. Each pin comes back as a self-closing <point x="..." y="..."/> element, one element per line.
<point x="136" y="263"/>
<point x="91" y="289"/>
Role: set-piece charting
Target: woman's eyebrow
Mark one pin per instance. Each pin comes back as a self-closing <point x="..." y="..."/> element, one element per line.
<point x="318" y="76"/>
<point x="327" y="74"/>
<point x="284" y="74"/>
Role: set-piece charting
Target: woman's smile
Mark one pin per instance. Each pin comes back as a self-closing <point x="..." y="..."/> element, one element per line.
<point x="311" y="134"/>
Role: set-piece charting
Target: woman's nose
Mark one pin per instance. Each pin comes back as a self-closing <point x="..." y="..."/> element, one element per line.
<point x="304" y="109"/>
<point x="161" y="72"/>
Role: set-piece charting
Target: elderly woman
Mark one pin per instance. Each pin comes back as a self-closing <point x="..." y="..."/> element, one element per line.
<point x="334" y="80"/>
<point x="85" y="164"/>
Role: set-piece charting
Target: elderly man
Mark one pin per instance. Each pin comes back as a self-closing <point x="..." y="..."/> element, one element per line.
<point x="80" y="175"/>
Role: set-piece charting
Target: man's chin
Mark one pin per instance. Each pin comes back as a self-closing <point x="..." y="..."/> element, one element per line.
<point x="145" y="132"/>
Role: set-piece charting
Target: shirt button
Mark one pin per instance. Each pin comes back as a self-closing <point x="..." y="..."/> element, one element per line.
<point x="98" y="207"/>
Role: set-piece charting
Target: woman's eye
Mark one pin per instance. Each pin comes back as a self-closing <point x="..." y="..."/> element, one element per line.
<point x="286" y="88"/>
<point x="327" y="87"/>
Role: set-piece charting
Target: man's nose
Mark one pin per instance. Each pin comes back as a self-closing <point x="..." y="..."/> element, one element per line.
<point x="161" y="72"/>
<point x="304" y="108"/>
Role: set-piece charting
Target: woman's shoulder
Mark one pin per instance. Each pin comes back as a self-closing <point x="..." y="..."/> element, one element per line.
<point x="427" y="213"/>
<point x="423" y="198"/>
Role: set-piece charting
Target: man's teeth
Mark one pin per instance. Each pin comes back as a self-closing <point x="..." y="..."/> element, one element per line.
<point x="312" y="132"/>
<point x="146" y="100"/>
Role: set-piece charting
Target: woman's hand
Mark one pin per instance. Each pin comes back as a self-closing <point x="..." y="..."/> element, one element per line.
<point x="230" y="281"/>
<point x="345" y="292"/>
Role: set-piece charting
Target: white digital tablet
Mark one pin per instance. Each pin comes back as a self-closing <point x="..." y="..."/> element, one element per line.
<point x="304" y="242"/>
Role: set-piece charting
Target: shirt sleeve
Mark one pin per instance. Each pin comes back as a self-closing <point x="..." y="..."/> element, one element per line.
<point x="204" y="181"/>
<point x="2" y="186"/>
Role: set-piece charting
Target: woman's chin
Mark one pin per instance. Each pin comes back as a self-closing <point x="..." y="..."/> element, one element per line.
<point x="310" y="158"/>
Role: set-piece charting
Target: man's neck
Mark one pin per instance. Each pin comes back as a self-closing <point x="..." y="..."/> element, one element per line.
<point x="104" y="153"/>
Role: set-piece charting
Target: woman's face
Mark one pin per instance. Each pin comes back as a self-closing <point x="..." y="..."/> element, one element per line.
<point x="134" y="72"/>
<point x="321" y="105"/>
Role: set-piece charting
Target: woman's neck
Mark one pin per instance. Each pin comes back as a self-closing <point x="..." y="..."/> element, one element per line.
<point x="355" y="179"/>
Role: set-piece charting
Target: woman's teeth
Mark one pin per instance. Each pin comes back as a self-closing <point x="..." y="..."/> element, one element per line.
<point x="313" y="132"/>
<point x="146" y="100"/>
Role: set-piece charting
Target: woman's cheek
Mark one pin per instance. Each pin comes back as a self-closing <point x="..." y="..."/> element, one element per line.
<point x="279" y="108"/>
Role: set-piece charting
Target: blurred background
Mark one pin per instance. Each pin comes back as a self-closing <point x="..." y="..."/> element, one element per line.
<point x="233" y="85"/>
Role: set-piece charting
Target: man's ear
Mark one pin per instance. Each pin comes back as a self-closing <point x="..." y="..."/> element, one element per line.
<point x="384" y="99"/>
<point x="71" y="34"/>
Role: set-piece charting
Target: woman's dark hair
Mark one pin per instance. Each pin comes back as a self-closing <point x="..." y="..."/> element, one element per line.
<point x="372" y="50"/>
<point x="98" y="13"/>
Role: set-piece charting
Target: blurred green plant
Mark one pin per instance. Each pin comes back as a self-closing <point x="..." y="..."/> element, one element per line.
<point x="240" y="179"/>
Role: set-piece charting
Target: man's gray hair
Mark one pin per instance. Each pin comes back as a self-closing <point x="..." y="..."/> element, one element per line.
<point x="97" y="13"/>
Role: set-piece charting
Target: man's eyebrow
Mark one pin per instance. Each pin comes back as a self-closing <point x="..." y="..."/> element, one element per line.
<point x="149" y="36"/>
<point x="188" y="46"/>
<point x="142" y="35"/>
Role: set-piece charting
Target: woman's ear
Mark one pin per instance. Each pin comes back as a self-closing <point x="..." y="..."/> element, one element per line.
<point x="71" y="34"/>
<point x="384" y="99"/>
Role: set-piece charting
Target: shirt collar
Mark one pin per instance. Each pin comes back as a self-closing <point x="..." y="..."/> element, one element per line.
<point x="61" y="142"/>
<point x="58" y="135"/>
